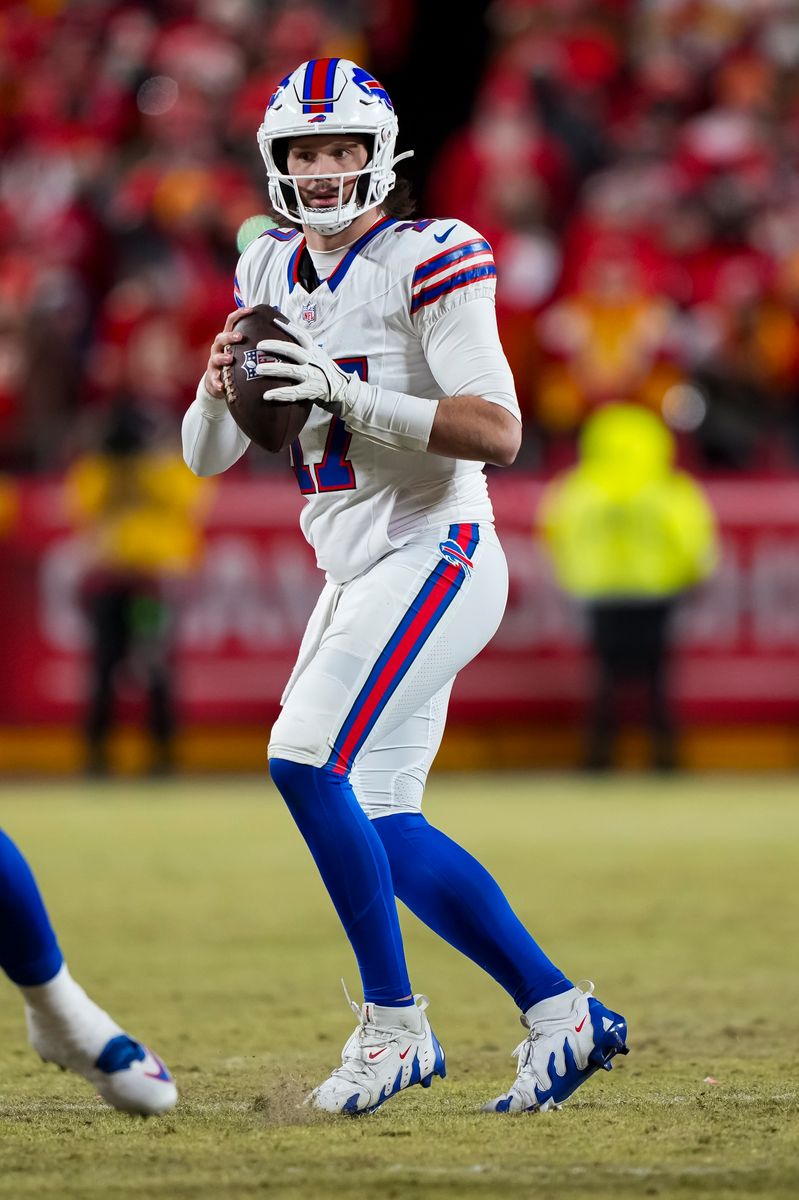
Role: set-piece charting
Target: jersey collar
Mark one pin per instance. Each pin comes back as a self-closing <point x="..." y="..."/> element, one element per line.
<point x="335" y="278"/>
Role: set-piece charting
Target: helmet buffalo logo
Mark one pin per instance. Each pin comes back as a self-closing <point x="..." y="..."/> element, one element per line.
<point x="283" y="84"/>
<point x="367" y="83"/>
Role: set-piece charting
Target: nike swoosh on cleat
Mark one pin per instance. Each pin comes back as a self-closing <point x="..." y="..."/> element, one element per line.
<point x="577" y="1028"/>
<point x="377" y="1053"/>
<point x="162" y="1072"/>
<point x="442" y="237"/>
<point x="405" y="1054"/>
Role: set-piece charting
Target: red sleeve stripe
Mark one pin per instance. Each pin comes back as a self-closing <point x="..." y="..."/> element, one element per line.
<point x="455" y="254"/>
<point x="474" y="274"/>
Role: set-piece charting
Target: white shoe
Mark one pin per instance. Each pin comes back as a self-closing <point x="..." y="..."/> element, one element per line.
<point x="127" y="1075"/>
<point x="571" y="1036"/>
<point x="378" y="1061"/>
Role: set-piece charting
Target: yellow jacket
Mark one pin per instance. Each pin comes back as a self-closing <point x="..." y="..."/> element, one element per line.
<point x="623" y="522"/>
<point x="141" y="511"/>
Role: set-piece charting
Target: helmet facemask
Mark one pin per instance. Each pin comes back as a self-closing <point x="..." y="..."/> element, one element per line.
<point x="372" y="183"/>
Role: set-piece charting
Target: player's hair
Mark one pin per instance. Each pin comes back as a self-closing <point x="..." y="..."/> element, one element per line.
<point x="400" y="202"/>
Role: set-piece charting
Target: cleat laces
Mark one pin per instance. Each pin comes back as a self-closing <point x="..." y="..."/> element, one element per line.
<point x="531" y="1073"/>
<point x="367" y="1039"/>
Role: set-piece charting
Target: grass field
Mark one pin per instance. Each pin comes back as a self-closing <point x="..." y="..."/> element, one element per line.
<point x="192" y="911"/>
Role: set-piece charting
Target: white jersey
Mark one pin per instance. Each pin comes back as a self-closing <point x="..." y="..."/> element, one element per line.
<point x="408" y="307"/>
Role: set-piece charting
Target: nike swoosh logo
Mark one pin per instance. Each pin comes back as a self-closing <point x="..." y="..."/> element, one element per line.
<point x="377" y="1053"/>
<point x="162" y="1072"/>
<point x="577" y="1028"/>
<point x="442" y="237"/>
<point x="407" y="1051"/>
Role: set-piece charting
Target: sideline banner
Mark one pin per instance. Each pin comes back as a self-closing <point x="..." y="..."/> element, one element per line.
<point x="243" y="613"/>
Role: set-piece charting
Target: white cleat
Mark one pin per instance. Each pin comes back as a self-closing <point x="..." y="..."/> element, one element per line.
<point x="127" y="1075"/>
<point x="380" y="1061"/>
<point x="571" y="1036"/>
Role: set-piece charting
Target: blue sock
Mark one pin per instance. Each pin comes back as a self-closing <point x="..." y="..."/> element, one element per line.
<point x="456" y="897"/>
<point x="355" y="871"/>
<point x="29" y="952"/>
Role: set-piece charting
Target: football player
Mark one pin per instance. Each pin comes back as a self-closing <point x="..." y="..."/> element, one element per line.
<point x="397" y="346"/>
<point x="64" y="1025"/>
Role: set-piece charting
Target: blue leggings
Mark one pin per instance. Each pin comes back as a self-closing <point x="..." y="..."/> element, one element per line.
<point x="365" y="864"/>
<point x="451" y="893"/>
<point x="355" y="870"/>
<point x="29" y="952"/>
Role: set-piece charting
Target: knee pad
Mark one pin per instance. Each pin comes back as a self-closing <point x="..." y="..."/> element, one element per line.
<point x="295" y="737"/>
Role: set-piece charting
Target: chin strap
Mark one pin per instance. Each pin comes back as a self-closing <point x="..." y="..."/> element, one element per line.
<point x="332" y="230"/>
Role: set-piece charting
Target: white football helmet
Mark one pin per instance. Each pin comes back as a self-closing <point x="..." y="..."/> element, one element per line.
<point x="329" y="96"/>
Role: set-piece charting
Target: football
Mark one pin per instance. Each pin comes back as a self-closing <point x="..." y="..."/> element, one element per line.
<point x="270" y="424"/>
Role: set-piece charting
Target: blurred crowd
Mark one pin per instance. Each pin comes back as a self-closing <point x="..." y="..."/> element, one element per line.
<point x="129" y="164"/>
<point x="635" y="164"/>
<point x="636" y="167"/>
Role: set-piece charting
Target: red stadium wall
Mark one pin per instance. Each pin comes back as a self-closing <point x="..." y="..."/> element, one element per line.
<point x="736" y="664"/>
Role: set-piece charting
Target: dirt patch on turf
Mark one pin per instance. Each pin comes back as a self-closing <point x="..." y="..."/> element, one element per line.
<point x="283" y="1102"/>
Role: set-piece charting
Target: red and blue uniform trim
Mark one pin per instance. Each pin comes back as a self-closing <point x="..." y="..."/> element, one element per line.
<point x="317" y="89"/>
<point x="280" y="235"/>
<point x="402" y="649"/>
<point x="335" y="278"/>
<point x="431" y="266"/>
<point x="451" y="284"/>
<point x="294" y="264"/>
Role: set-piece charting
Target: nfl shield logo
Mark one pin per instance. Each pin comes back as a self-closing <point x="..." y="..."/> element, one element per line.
<point x="309" y="314"/>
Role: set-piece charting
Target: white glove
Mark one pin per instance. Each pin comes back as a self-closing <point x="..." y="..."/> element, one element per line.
<point x="389" y="418"/>
<point x="316" y="376"/>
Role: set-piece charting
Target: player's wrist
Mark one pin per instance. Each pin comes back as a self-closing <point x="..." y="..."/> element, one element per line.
<point x="352" y="393"/>
<point x="210" y="403"/>
<point x="394" y="419"/>
<point x="344" y="391"/>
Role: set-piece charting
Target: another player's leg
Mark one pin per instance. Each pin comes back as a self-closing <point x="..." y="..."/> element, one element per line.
<point x="64" y="1025"/>
<point x="603" y="717"/>
<point x="107" y="614"/>
<point x="152" y="623"/>
<point x="655" y="667"/>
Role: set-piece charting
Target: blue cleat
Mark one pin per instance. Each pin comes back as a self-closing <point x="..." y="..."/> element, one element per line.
<point x="571" y="1036"/>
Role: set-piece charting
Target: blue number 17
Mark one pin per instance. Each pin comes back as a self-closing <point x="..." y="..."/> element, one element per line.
<point x="334" y="473"/>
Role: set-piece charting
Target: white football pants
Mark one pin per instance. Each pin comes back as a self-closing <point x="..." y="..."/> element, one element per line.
<point x="369" y="692"/>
